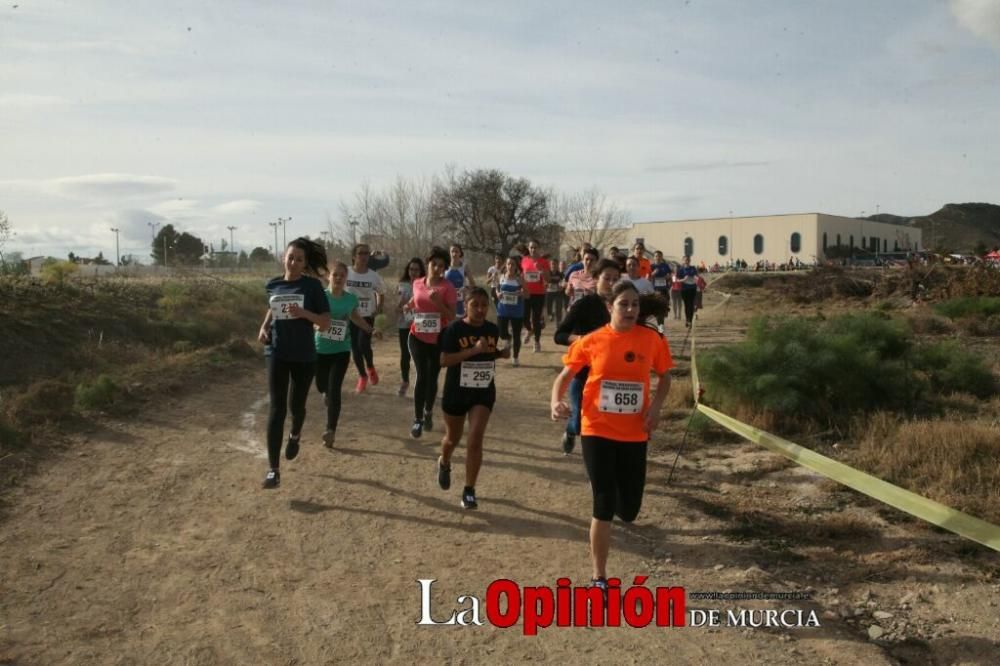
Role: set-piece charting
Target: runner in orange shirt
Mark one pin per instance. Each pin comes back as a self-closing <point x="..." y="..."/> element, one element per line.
<point x="618" y="413"/>
<point x="645" y="266"/>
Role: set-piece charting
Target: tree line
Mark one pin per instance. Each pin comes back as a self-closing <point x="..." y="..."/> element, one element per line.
<point x="485" y="210"/>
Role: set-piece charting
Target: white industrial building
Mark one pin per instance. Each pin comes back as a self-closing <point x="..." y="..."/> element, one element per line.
<point x="807" y="237"/>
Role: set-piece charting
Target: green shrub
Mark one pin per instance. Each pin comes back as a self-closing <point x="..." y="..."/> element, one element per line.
<point x="952" y="369"/>
<point x="828" y="370"/>
<point x="97" y="395"/>
<point x="969" y="306"/>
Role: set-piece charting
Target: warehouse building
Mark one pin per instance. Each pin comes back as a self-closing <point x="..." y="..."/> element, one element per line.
<point x="806" y="237"/>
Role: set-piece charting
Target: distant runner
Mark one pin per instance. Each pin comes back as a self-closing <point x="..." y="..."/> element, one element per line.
<point x="587" y="314"/>
<point x="404" y="318"/>
<point x="368" y="286"/>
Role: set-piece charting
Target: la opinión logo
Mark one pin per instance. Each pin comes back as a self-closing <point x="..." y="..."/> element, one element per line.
<point x="507" y="602"/>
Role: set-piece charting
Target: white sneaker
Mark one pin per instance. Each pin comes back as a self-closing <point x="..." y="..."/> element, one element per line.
<point x="537" y="348"/>
<point x="515" y="363"/>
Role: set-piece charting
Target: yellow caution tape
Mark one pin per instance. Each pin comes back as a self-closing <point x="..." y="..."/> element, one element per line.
<point x="923" y="508"/>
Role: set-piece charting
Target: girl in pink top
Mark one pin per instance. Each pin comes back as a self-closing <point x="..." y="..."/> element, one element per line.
<point x="433" y="306"/>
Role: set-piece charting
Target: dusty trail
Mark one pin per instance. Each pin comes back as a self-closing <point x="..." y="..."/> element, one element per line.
<point x="149" y="541"/>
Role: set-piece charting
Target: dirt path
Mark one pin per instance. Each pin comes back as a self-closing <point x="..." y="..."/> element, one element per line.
<point x="149" y="542"/>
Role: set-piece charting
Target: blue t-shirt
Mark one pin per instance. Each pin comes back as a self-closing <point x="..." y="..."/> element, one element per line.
<point x="573" y="268"/>
<point x="687" y="276"/>
<point x="661" y="272"/>
<point x="508" y="306"/>
<point x="457" y="278"/>
<point x="292" y="339"/>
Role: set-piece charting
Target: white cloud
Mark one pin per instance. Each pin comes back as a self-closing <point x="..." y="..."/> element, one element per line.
<point x="981" y="17"/>
<point x="29" y="101"/>
<point x="238" y="207"/>
<point x="106" y="185"/>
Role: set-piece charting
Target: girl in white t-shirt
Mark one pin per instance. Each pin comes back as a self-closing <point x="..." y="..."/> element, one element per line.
<point x="369" y="287"/>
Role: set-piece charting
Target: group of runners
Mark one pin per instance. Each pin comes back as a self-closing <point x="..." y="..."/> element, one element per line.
<point x="613" y="330"/>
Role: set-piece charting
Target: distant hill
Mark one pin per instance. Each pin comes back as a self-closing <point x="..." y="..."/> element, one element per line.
<point x="954" y="228"/>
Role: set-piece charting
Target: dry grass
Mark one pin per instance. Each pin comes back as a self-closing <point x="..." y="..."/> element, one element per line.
<point x="680" y="396"/>
<point x="954" y="462"/>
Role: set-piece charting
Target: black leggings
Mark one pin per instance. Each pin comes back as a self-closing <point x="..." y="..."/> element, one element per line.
<point x="554" y="301"/>
<point x="688" y="295"/>
<point x="404" y="354"/>
<point x="427" y="363"/>
<point x="330" y="371"/>
<point x="279" y="375"/>
<point x="536" y="306"/>
<point x="361" y="347"/>
<point x="617" y="473"/>
<point x="515" y="324"/>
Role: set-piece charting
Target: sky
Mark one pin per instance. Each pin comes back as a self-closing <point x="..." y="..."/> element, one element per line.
<point x="209" y="115"/>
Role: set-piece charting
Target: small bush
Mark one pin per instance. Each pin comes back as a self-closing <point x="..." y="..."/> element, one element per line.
<point x="97" y="395"/>
<point x="952" y="369"/>
<point x="931" y="324"/>
<point x="969" y="306"/>
<point x="986" y="328"/>
<point x="183" y="346"/>
<point x="47" y="400"/>
<point x="56" y="272"/>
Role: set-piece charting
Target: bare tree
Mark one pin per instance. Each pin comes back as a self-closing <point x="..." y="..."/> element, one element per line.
<point x="488" y="210"/>
<point x="589" y="217"/>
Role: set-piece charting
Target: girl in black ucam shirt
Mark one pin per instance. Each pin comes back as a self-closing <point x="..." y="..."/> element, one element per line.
<point x="297" y="303"/>
<point x="469" y="351"/>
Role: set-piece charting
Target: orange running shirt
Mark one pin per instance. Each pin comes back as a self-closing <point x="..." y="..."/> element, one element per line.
<point x="613" y="405"/>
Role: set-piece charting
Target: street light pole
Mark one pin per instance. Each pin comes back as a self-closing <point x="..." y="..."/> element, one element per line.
<point x="152" y="233"/>
<point x="232" y="245"/>
<point x="274" y="225"/>
<point x="118" y="256"/>
<point x="284" y="229"/>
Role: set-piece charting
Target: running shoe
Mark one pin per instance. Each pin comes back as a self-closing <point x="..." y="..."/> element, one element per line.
<point x="402" y="389"/>
<point x="416" y="429"/>
<point x="514" y="362"/>
<point x="469" y="498"/>
<point x="272" y="479"/>
<point x="292" y="448"/>
<point x="568" y="443"/>
<point x="373" y="376"/>
<point x="538" y="347"/>
<point x="428" y="421"/>
<point x="328" y="438"/>
<point x="602" y="584"/>
<point x="526" y="337"/>
<point x="444" y="476"/>
<point x="361" y="385"/>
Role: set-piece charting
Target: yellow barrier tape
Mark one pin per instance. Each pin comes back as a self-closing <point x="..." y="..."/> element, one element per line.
<point x="923" y="508"/>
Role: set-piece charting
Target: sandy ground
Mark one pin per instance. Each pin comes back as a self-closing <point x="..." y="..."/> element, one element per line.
<point x="151" y="542"/>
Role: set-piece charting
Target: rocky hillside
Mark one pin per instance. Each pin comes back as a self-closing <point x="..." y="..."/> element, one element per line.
<point x="956" y="227"/>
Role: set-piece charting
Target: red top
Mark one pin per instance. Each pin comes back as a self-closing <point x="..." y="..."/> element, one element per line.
<point x="536" y="273"/>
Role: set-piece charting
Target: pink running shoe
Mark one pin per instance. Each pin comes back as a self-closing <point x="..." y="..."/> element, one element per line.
<point x="361" y="385"/>
<point x="373" y="376"/>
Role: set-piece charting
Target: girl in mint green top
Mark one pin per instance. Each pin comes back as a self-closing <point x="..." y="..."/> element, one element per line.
<point x="333" y="347"/>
